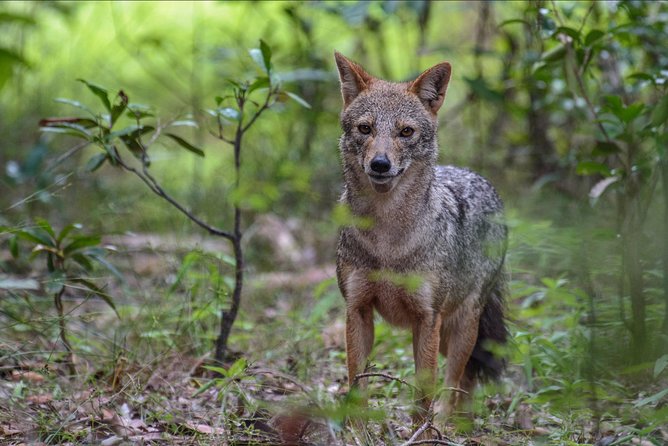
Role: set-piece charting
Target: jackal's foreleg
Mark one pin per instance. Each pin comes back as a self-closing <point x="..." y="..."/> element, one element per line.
<point x="426" y="336"/>
<point x="359" y="340"/>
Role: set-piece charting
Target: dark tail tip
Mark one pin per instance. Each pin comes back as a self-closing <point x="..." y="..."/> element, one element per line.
<point x="483" y="364"/>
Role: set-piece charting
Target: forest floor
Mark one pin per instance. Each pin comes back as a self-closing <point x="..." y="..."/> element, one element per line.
<point x="145" y="377"/>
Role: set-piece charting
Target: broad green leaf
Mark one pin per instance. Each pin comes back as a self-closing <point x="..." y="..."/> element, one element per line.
<point x="651" y="399"/>
<point x="185" y="144"/>
<point x="591" y="168"/>
<point x="96" y="161"/>
<point x="80" y="242"/>
<point x="66" y="230"/>
<point x="42" y="223"/>
<point x="631" y="112"/>
<point x="8" y="17"/>
<point x="14" y="246"/>
<point x="301" y="101"/>
<point x="98" y="292"/>
<point x="554" y="54"/>
<point x="266" y="55"/>
<point x="660" y="111"/>
<point x="593" y="36"/>
<point x="511" y="21"/>
<point x="118" y="108"/>
<point x="262" y="56"/>
<point x="82" y="260"/>
<point x="55" y="283"/>
<point x="206" y="386"/>
<point x="604" y="148"/>
<point x="139" y="111"/>
<point x="641" y="76"/>
<point x="99" y="258"/>
<point x="76" y="104"/>
<point x="260" y="82"/>
<point x="660" y="365"/>
<point x="36" y="236"/>
<point x="66" y="130"/>
<point x="98" y="91"/>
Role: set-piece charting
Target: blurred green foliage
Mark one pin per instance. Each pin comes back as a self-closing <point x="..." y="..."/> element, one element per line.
<point x="562" y="105"/>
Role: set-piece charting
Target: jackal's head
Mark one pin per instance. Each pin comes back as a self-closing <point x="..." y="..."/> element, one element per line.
<point x="389" y="126"/>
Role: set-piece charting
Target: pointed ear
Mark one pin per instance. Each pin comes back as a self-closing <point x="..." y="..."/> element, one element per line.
<point x="431" y="85"/>
<point x="353" y="78"/>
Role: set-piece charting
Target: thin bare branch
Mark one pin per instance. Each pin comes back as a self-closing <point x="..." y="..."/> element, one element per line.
<point x="155" y="187"/>
<point x="382" y="375"/>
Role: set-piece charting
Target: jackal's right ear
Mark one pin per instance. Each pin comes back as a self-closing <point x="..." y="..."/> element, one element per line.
<point x="353" y="78"/>
<point x="431" y="85"/>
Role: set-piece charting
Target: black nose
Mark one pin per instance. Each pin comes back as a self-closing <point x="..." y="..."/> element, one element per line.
<point x="380" y="164"/>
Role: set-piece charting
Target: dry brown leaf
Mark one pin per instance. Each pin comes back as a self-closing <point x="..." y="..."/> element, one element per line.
<point x="29" y="376"/>
<point x="7" y="431"/>
<point x="116" y="423"/>
<point x="40" y="399"/>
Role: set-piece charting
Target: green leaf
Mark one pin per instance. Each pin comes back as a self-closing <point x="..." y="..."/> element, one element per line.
<point x="56" y="282"/>
<point x="100" y="92"/>
<point x="651" y="399"/>
<point x="35" y="236"/>
<point x="260" y="82"/>
<point x="604" y="148"/>
<point x="554" y="54"/>
<point x="82" y="260"/>
<point x="8" y="17"/>
<point x="185" y="144"/>
<point x="208" y="385"/>
<point x="45" y="226"/>
<point x="592" y="168"/>
<point x="262" y="56"/>
<point x="593" y="36"/>
<point x="139" y="111"/>
<point x="628" y="114"/>
<point x="98" y="292"/>
<point x="111" y="268"/>
<point x="80" y="242"/>
<point x="76" y="104"/>
<point x="660" y="112"/>
<point x="660" y="365"/>
<point x="301" y="101"/>
<point x="266" y="55"/>
<point x="96" y="161"/>
<point x="118" y="108"/>
<point x="14" y="246"/>
<point x="511" y="21"/>
<point x="68" y="128"/>
<point x="66" y="230"/>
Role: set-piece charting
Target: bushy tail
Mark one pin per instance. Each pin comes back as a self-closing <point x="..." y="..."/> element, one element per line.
<point x="483" y="364"/>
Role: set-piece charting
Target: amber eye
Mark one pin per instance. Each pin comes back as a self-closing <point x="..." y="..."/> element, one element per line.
<point x="407" y="131"/>
<point x="364" y="129"/>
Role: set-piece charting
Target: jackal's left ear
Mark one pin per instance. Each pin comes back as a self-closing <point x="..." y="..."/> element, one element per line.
<point x="431" y="85"/>
<point x="353" y="78"/>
